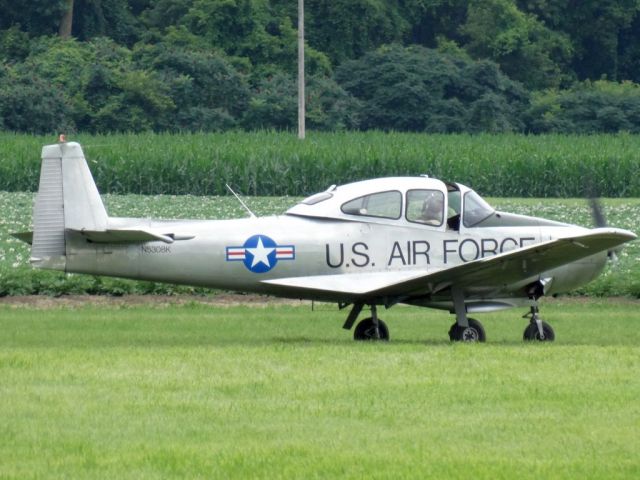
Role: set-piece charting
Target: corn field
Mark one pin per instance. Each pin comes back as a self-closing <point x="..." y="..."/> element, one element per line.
<point x="277" y="163"/>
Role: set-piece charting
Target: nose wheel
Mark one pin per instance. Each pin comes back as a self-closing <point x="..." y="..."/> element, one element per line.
<point x="537" y="330"/>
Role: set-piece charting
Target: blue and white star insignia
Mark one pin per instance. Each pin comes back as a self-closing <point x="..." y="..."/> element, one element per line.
<point x="260" y="253"/>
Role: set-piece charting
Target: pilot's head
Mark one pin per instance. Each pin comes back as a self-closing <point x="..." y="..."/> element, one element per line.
<point x="433" y="204"/>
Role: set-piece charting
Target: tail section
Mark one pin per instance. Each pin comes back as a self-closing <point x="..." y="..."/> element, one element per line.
<point x="67" y="199"/>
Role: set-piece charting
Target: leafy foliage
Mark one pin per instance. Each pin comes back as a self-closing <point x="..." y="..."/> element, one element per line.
<point x="214" y="65"/>
<point x="526" y="50"/>
<point x="274" y="105"/>
<point x="208" y="93"/>
<point x="32" y="104"/>
<point x="418" y="89"/>
<point x="588" y="107"/>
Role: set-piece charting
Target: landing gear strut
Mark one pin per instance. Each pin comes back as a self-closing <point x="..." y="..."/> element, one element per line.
<point x="465" y="329"/>
<point x="537" y="328"/>
<point x="371" y="328"/>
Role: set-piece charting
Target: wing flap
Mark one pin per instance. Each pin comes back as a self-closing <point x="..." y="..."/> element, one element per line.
<point x="355" y="284"/>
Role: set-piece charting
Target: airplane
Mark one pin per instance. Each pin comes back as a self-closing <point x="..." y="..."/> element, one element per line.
<point x="374" y="243"/>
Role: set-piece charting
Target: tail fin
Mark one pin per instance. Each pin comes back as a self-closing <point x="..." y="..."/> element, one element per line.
<point x="67" y="199"/>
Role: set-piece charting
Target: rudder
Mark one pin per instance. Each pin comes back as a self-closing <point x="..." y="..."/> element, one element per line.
<point x="67" y="199"/>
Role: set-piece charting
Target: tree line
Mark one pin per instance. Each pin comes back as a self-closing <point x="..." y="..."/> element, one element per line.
<point x="408" y="65"/>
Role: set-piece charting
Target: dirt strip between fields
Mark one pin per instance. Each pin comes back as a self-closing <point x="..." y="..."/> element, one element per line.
<point x="77" y="301"/>
<point x="218" y="300"/>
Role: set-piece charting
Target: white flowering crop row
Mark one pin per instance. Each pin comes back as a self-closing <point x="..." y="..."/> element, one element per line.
<point x="17" y="210"/>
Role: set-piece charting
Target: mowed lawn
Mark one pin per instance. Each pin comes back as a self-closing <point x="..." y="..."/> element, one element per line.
<point x="196" y="391"/>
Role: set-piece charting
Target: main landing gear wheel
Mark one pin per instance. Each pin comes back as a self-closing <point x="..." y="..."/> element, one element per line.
<point x="366" y="330"/>
<point x="532" y="333"/>
<point x="473" y="333"/>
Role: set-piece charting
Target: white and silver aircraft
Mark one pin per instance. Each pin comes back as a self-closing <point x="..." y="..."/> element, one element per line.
<point x="412" y="240"/>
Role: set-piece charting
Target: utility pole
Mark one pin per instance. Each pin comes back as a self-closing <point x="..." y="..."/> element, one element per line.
<point x="301" y="104"/>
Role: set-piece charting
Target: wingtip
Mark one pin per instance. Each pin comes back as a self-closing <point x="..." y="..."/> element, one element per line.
<point x="625" y="235"/>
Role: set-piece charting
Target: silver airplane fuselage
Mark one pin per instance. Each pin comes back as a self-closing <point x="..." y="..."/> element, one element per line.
<point x="319" y="247"/>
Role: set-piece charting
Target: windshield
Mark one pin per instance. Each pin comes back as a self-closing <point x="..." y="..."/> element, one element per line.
<point x="475" y="209"/>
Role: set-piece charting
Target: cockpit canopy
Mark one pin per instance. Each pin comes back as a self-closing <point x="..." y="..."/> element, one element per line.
<point x="412" y="201"/>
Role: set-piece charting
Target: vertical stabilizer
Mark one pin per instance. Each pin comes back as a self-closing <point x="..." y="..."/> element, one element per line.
<point x="67" y="199"/>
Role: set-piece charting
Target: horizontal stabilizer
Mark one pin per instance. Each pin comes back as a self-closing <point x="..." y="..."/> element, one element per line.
<point x="115" y="236"/>
<point x="138" y="235"/>
<point x="26" y="237"/>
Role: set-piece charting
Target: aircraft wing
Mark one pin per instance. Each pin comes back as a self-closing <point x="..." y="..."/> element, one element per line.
<point x="514" y="266"/>
<point x="496" y="271"/>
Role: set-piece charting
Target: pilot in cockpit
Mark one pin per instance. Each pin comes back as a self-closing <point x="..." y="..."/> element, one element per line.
<point x="432" y="210"/>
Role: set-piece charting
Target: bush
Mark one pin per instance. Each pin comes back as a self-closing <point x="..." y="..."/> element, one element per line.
<point x="274" y="104"/>
<point x="209" y="94"/>
<point x="32" y="104"/>
<point x="417" y="89"/>
<point x="588" y="107"/>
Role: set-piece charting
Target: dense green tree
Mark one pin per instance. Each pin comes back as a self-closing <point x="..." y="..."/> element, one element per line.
<point x="329" y="106"/>
<point x="248" y="30"/>
<point x="432" y="20"/>
<point x="103" y="88"/>
<point x="274" y="104"/>
<point x="139" y="102"/>
<point x="220" y="64"/>
<point x="36" y="17"/>
<point x="595" y="28"/>
<point x="106" y="18"/>
<point x="629" y="52"/>
<point x="419" y="89"/>
<point x="14" y="45"/>
<point x="346" y="29"/>
<point x="524" y="48"/>
<point x="32" y="104"/>
<point x="208" y="92"/>
<point x="588" y="107"/>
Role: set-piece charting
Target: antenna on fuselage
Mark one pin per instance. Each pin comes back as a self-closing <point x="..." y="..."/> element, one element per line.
<point x="251" y="214"/>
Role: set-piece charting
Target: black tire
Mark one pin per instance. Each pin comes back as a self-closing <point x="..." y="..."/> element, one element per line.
<point x="473" y="333"/>
<point x="365" y="330"/>
<point x="531" y="333"/>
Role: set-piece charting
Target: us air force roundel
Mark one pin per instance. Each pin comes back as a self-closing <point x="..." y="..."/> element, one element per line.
<point x="260" y="253"/>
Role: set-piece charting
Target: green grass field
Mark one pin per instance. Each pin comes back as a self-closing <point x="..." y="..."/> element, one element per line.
<point x="282" y="392"/>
